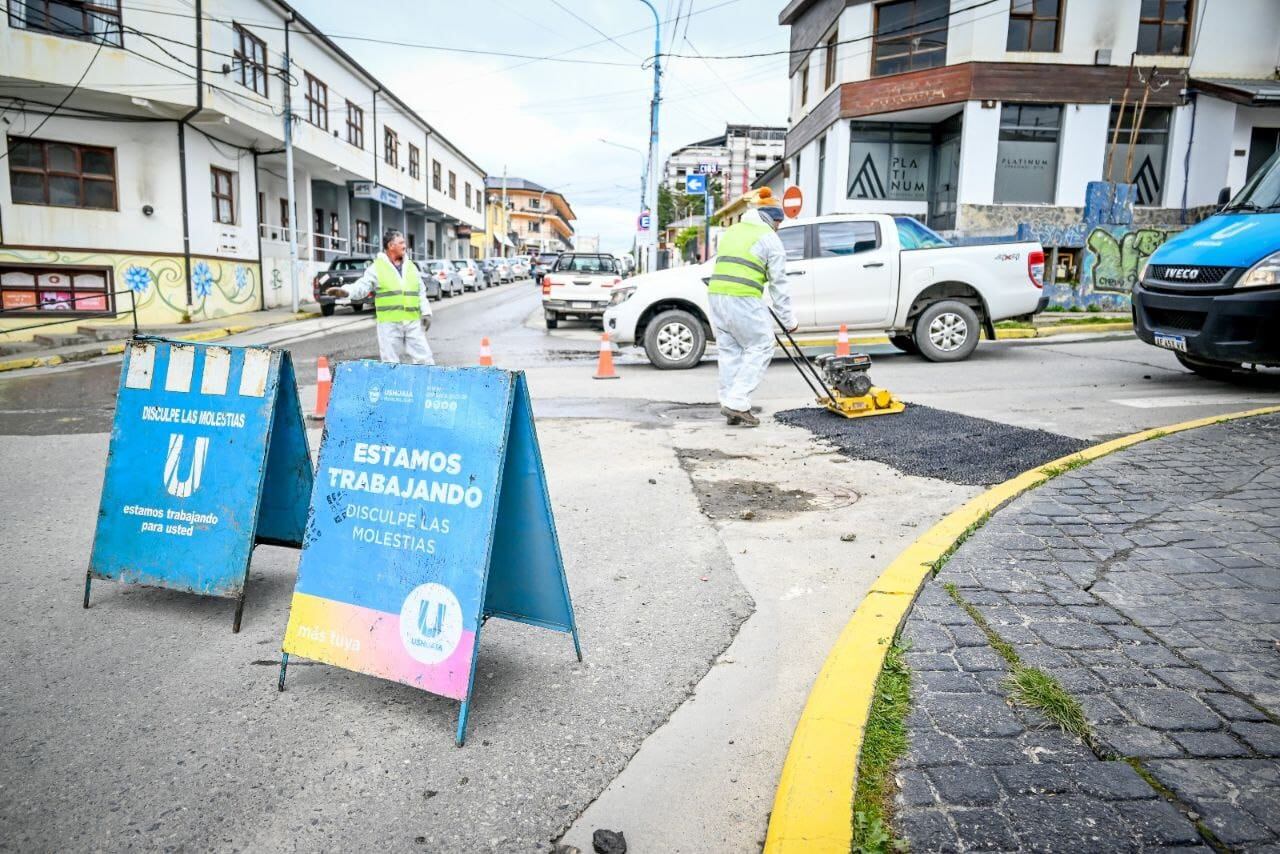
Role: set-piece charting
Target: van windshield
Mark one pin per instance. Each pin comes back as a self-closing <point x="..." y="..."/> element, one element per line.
<point x="1262" y="193"/>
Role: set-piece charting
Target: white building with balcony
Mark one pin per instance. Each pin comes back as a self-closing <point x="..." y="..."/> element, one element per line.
<point x="146" y="161"/>
<point x="979" y="117"/>
<point x="736" y="158"/>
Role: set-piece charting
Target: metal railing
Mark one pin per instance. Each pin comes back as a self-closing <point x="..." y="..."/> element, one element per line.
<point x="44" y="307"/>
<point x="324" y="246"/>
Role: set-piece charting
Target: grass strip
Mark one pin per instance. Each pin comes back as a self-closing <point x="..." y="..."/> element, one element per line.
<point x="968" y="532"/>
<point x="1169" y="795"/>
<point x="884" y="741"/>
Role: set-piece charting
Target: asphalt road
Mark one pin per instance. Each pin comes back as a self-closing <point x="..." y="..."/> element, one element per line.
<point x="143" y="722"/>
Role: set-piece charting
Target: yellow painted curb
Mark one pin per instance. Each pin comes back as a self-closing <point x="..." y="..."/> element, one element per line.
<point x="813" y="807"/>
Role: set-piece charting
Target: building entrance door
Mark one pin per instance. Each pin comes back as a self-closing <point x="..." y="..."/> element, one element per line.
<point x="946" y="175"/>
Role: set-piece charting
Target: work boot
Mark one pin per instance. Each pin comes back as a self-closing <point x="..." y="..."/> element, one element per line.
<point x="738" y="416"/>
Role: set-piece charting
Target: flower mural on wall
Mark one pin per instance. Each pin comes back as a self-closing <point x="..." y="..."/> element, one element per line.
<point x="201" y="279"/>
<point x="242" y="278"/>
<point x="137" y="278"/>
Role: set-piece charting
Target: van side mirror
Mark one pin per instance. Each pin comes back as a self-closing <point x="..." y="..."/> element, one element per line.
<point x="1224" y="196"/>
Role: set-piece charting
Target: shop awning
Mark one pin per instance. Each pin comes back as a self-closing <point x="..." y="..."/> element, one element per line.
<point x="1255" y="92"/>
<point x="503" y="241"/>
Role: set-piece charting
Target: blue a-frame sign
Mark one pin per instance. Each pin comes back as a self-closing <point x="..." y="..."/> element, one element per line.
<point x="208" y="457"/>
<point x="430" y="514"/>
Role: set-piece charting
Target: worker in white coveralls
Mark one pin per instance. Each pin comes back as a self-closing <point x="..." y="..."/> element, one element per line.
<point x="749" y="258"/>
<point x="400" y="300"/>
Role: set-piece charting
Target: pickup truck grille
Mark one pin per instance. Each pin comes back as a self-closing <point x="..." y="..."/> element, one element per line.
<point x="1185" y="274"/>
<point x="1168" y="318"/>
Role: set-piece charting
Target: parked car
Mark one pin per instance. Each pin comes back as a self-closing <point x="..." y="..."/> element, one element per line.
<point x="342" y="271"/>
<point x="472" y="278"/>
<point x="501" y="269"/>
<point x="542" y="263"/>
<point x="873" y="272"/>
<point x="1212" y="293"/>
<point x="626" y="264"/>
<point x="519" y="267"/>
<point x="445" y="275"/>
<point x="580" y="285"/>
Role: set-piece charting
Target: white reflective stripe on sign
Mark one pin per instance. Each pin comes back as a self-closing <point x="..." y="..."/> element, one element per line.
<point x="253" y="377"/>
<point x="217" y="368"/>
<point x="142" y="366"/>
<point x="182" y="361"/>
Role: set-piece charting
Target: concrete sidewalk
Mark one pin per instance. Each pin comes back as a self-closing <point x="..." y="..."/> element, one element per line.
<point x="1145" y="587"/>
<point x="90" y="341"/>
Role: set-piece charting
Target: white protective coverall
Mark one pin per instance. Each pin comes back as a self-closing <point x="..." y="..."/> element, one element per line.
<point x="399" y="341"/>
<point x="744" y="330"/>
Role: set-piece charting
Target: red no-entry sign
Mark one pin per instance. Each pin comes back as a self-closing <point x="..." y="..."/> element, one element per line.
<point x="791" y="201"/>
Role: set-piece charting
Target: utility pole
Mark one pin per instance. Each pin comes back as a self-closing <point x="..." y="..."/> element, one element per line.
<point x="288" y="169"/>
<point x="651" y="182"/>
<point x="506" y="228"/>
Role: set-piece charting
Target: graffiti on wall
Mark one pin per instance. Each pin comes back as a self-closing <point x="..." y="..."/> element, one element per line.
<point x="157" y="285"/>
<point x="1110" y="262"/>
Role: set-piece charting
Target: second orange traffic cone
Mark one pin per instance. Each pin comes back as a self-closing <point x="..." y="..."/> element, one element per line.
<point x="486" y="354"/>
<point x="842" y="341"/>
<point x="604" y="365"/>
<point x="324" y="382"/>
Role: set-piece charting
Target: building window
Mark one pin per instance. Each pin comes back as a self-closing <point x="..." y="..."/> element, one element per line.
<point x="317" y="103"/>
<point x="822" y="171"/>
<point x="223" y="184"/>
<point x="435" y="175"/>
<point x="333" y="227"/>
<point x="795" y="170"/>
<point x="535" y="227"/>
<point x="453" y="185"/>
<point x="415" y="166"/>
<point x="1027" y="155"/>
<point x="262" y="206"/>
<point x="804" y="85"/>
<point x="829" y="62"/>
<point x="534" y="204"/>
<point x="909" y="34"/>
<point x="1034" y="25"/>
<point x="362" y="235"/>
<point x="284" y="215"/>
<point x="61" y="174"/>
<point x="98" y="21"/>
<point x="1150" y="150"/>
<point x="889" y="161"/>
<point x="55" y="290"/>
<point x="390" y="147"/>
<point x="1163" y="27"/>
<point x="251" y="60"/>
<point x="355" y="125"/>
<point x="466" y="194"/>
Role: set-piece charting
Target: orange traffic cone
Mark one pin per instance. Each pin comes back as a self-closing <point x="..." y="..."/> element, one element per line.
<point x="842" y="341"/>
<point x="486" y="354"/>
<point x="604" y="366"/>
<point x="324" y="382"/>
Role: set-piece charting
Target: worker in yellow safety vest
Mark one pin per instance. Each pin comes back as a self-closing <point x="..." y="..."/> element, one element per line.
<point x="749" y="258"/>
<point x="400" y="300"/>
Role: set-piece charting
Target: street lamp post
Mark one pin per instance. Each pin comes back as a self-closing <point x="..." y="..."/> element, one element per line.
<point x="651" y="182"/>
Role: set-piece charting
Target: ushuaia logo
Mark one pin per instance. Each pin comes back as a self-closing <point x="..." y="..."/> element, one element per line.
<point x="867" y="184"/>
<point x="375" y="394"/>
<point x="184" y="487"/>
<point x="431" y="623"/>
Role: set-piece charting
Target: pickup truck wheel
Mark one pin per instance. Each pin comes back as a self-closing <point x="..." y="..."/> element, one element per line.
<point x="326" y="309"/>
<point x="905" y="343"/>
<point x="675" y="340"/>
<point x="947" y="331"/>
<point x="357" y="307"/>
<point x="553" y="319"/>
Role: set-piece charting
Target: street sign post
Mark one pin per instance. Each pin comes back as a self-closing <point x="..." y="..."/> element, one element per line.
<point x="792" y="201"/>
<point x="208" y="457"/>
<point x="430" y="514"/>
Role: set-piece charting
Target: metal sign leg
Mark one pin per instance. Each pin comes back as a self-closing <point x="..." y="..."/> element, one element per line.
<point x="463" y="712"/>
<point x="88" y="580"/>
<point x="235" y="625"/>
<point x="577" y="647"/>
<point x="284" y="665"/>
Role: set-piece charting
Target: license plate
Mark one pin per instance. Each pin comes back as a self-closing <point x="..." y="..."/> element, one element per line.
<point x="583" y="305"/>
<point x="1172" y="342"/>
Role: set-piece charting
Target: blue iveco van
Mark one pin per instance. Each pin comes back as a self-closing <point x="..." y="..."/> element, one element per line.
<point x="1212" y="293"/>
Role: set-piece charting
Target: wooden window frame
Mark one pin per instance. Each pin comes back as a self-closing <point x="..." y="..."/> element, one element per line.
<point x="435" y="175"/>
<point x="453" y="184"/>
<point x="829" y="60"/>
<point x="415" y="161"/>
<point x="215" y="173"/>
<point x="355" y="125"/>
<point x="804" y="84"/>
<point x="1161" y="22"/>
<point x="79" y="174"/>
<point x="362" y="235"/>
<point x="390" y="147"/>
<point x="249" y="63"/>
<point x="108" y="290"/>
<point x="909" y="35"/>
<point x="89" y="12"/>
<point x="317" y="102"/>
<point x="1032" y="18"/>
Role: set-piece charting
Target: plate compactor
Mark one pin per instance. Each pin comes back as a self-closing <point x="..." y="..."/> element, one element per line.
<point x="844" y="386"/>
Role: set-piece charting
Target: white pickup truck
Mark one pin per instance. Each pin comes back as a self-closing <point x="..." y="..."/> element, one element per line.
<point x="874" y="272"/>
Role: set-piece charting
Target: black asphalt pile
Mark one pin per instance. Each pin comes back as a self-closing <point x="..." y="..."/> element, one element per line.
<point x="936" y="443"/>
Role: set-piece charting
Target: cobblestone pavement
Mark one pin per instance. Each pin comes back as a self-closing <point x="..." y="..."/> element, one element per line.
<point x="1147" y="584"/>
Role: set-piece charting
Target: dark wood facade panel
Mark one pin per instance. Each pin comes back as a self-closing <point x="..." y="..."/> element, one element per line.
<point x="810" y="27"/>
<point x="949" y="84"/>
<point x="819" y="119"/>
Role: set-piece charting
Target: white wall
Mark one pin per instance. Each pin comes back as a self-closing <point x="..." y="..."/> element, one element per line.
<point x="1247" y="118"/>
<point x="1081" y="151"/>
<point x="1238" y="38"/>
<point x="979" y="135"/>
<point x="1210" y="152"/>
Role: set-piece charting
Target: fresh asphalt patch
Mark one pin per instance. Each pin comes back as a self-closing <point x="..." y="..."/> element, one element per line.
<point x="936" y="443"/>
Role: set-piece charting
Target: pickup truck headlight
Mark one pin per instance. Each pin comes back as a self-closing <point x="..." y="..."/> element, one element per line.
<point x="621" y="295"/>
<point x="1265" y="272"/>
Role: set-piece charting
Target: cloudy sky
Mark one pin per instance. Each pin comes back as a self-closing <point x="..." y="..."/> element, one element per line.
<point x="544" y="120"/>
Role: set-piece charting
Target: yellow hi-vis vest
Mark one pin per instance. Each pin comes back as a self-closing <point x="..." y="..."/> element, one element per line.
<point x="397" y="298"/>
<point x="739" y="273"/>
